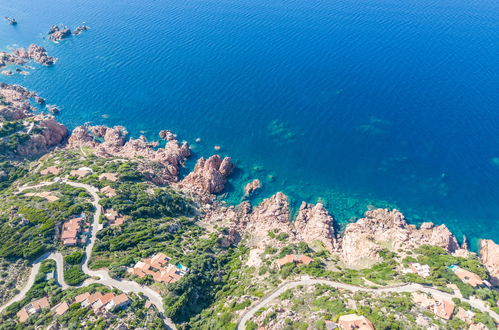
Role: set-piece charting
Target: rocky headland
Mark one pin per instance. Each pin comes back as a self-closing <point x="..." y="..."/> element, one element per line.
<point x="160" y="165"/>
<point x="209" y="175"/>
<point x="22" y="132"/>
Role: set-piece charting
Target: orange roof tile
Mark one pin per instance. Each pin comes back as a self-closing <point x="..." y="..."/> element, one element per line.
<point x="354" y="321"/>
<point x="120" y="299"/>
<point x="22" y="315"/>
<point x="82" y="297"/>
<point x="113" y="177"/>
<point x="61" y="308"/>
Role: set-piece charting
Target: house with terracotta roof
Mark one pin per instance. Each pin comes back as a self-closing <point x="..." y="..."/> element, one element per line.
<point x="82" y="297"/>
<point x="51" y="170"/>
<point x="113" y="177"/>
<point x="98" y="301"/>
<point x="73" y="233"/>
<point x="354" y="321"/>
<point x="159" y="268"/>
<point x="440" y="307"/>
<point x="82" y="172"/>
<point x="32" y="308"/>
<point x="466" y="276"/>
<point x="48" y="195"/>
<point x="61" y="308"/>
<point x="298" y="259"/>
<point x="114" y="218"/>
<point x="108" y="191"/>
<point x="118" y="302"/>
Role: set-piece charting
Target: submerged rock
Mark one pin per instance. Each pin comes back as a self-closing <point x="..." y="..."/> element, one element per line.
<point x="251" y="187"/>
<point x="11" y="20"/>
<point x="80" y="29"/>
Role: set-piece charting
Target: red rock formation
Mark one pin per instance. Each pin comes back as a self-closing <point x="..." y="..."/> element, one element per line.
<point x="52" y="134"/>
<point x="35" y="53"/>
<point x="161" y="165"/>
<point x="42" y="131"/>
<point x="382" y="228"/>
<point x="313" y="223"/>
<point x="209" y="175"/>
<point x="489" y="253"/>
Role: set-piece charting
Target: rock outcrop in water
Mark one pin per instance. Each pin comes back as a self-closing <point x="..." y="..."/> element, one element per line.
<point x="35" y="53"/>
<point x="167" y="135"/>
<point x="160" y="165"/>
<point x="363" y="240"/>
<point x="251" y="187"/>
<point x="80" y="29"/>
<point x="209" y="175"/>
<point x="58" y="33"/>
<point x="21" y="56"/>
<point x="489" y="253"/>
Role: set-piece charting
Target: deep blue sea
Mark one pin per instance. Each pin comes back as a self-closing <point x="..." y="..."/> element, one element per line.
<point x="353" y="103"/>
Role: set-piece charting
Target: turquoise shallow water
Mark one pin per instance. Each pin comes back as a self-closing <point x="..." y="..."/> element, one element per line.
<point x="379" y="102"/>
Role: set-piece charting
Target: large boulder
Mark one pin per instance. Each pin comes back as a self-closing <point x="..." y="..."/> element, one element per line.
<point x="209" y="175"/>
<point x="489" y="254"/>
<point x="314" y="224"/>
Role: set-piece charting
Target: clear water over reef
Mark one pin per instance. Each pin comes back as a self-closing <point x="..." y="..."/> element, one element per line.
<point x="353" y="103"/>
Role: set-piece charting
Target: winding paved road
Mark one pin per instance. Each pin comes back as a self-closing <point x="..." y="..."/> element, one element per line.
<point x="102" y="275"/>
<point x="305" y="281"/>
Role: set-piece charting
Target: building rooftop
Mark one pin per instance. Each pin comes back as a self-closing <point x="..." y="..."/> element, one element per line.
<point x="108" y="191"/>
<point x="466" y="276"/>
<point x="298" y="259"/>
<point x="354" y="321"/>
<point x="50" y="170"/>
<point x="113" y="177"/>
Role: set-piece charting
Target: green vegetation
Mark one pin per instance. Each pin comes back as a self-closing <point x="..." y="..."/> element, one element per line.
<point x="73" y="274"/>
<point x="28" y="224"/>
<point x="136" y="315"/>
<point x="440" y="275"/>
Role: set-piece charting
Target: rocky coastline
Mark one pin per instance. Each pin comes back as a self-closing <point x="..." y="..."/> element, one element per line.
<point x="359" y="245"/>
